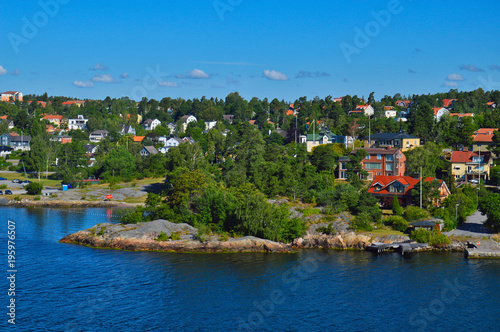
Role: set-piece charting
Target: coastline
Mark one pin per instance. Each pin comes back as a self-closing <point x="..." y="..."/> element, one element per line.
<point x="65" y="203"/>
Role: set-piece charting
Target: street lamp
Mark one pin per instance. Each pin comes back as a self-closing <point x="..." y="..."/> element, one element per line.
<point x="456" y="212"/>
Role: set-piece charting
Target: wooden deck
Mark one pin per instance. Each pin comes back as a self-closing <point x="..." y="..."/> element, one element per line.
<point x="401" y="247"/>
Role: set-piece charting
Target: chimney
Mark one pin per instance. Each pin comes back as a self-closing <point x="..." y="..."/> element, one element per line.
<point x="465" y="149"/>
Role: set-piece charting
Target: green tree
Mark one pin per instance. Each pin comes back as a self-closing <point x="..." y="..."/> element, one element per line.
<point x="490" y="206"/>
<point x="324" y="157"/>
<point x="355" y="171"/>
<point x="396" y="208"/>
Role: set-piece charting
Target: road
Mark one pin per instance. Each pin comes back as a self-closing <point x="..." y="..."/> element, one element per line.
<point x="473" y="226"/>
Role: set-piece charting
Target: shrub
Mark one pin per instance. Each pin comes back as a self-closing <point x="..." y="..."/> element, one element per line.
<point x="434" y="238"/>
<point x="162" y="237"/>
<point x="133" y="217"/>
<point x="413" y="213"/>
<point x="439" y="240"/>
<point x="3" y="186"/>
<point x="396" y="208"/>
<point x="37" y="198"/>
<point x="396" y="222"/>
<point x="421" y="235"/>
<point x="362" y="222"/>
<point x="327" y="230"/>
<point x="34" y="188"/>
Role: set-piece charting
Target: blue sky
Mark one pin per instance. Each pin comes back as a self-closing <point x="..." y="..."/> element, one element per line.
<point x="283" y="49"/>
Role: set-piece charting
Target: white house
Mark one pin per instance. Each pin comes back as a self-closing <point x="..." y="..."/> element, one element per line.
<point x="171" y="126"/>
<point x="187" y="119"/>
<point x="148" y="150"/>
<point x="98" y="136"/>
<point x="439" y="112"/>
<point x="210" y="124"/>
<point x="78" y="124"/>
<point x="390" y="112"/>
<point x="11" y="96"/>
<point x="367" y="109"/>
<point x="173" y="142"/>
<point x="151" y="124"/>
<point x="126" y="129"/>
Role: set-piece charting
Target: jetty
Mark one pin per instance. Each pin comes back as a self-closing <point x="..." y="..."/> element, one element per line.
<point x="482" y="249"/>
<point x="401" y="247"/>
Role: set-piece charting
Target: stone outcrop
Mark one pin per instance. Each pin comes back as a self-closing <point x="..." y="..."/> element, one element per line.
<point x="143" y="237"/>
<point x="344" y="240"/>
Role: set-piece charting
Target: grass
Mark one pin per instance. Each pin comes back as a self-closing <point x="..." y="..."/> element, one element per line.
<point x="135" y="200"/>
<point x="384" y="231"/>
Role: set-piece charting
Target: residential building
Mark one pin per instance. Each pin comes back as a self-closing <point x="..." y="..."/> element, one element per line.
<point x="378" y="162"/>
<point x="91" y="149"/>
<point x="151" y="124"/>
<point x="390" y="112"/>
<point x="78" y="124"/>
<point x="439" y="112"/>
<point x="98" y="135"/>
<point x="56" y="120"/>
<point x="187" y="119"/>
<point x="127" y="129"/>
<point x="229" y="118"/>
<point x="148" y="150"/>
<point x="467" y="165"/>
<point x="403" y="103"/>
<point x="11" y="96"/>
<point x="367" y="109"/>
<point x="49" y="129"/>
<point x="461" y="115"/>
<point x="15" y="141"/>
<point x="139" y="139"/>
<point x="210" y="124"/>
<point x="483" y="140"/>
<point x="173" y="142"/>
<point x="449" y="102"/>
<point x="323" y="136"/>
<point x="386" y="187"/>
<point x="402" y="141"/>
<point x="70" y="103"/>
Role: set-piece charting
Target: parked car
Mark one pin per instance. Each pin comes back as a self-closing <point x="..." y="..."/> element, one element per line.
<point x="3" y="179"/>
<point x="1" y="192"/>
<point x="8" y="192"/>
<point x="16" y="181"/>
<point x="474" y="181"/>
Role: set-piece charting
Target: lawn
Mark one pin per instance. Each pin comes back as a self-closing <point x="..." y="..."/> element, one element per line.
<point x="380" y="232"/>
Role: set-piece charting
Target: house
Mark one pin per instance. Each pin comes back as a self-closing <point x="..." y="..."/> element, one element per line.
<point x="65" y="139"/>
<point x="126" y="130"/>
<point x="173" y="142"/>
<point x="41" y="103"/>
<point x="171" y="127"/>
<point x="98" y="135"/>
<point x="10" y="123"/>
<point x="15" y="141"/>
<point x="229" y="118"/>
<point x="11" y="96"/>
<point x="187" y="119"/>
<point x="483" y="140"/>
<point x="449" y="102"/>
<point x="491" y="104"/>
<point x="151" y="124"/>
<point x="367" y="109"/>
<point x="70" y="103"/>
<point x="148" y="150"/>
<point x="467" y="165"/>
<point x="355" y="112"/>
<point x="78" y="124"/>
<point x="139" y="139"/>
<point x="210" y="124"/>
<point x="90" y="149"/>
<point x="390" y="112"/>
<point x="338" y="100"/>
<point x="439" y="112"/>
<point x="324" y="136"/>
<point x="379" y="161"/>
<point x="386" y="187"/>
<point x="49" y="129"/>
<point x="56" y="120"/>
<point x="461" y="115"/>
<point x="429" y="225"/>
<point x="402" y="141"/>
<point x="403" y="103"/>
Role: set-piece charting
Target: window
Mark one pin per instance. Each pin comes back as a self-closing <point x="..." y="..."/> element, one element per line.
<point x="378" y="187"/>
<point x="373" y="165"/>
<point x="368" y="157"/>
<point x="343" y="165"/>
<point x="396" y="188"/>
<point x="343" y="175"/>
<point x="415" y="142"/>
<point x="389" y="167"/>
<point x="379" y="157"/>
<point x="389" y="157"/>
<point x="457" y="167"/>
<point x="370" y="176"/>
<point x="378" y="173"/>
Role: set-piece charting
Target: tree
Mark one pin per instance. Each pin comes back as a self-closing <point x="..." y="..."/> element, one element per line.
<point x="37" y="156"/>
<point x="396" y="208"/>
<point x="428" y="157"/>
<point x="490" y="206"/>
<point x="355" y="171"/>
<point x="324" y="157"/>
<point x="120" y="162"/>
<point x="34" y="189"/>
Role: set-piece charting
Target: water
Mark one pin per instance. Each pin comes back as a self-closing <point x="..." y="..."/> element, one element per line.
<point x="61" y="287"/>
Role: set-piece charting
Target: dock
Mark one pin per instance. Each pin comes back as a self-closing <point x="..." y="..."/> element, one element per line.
<point x="483" y="249"/>
<point x="401" y="247"/>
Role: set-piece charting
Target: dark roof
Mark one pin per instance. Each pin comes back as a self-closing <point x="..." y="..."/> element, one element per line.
<point x="391" y="136"/>
<point x="377" y="150"/>
<point x="89" y="147"/>
<point x="25" y="138"/>
<point x="100" y="132"/>
<point x="151" y="149"/>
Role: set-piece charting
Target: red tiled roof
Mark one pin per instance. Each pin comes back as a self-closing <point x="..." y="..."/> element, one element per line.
<point x="252" y="122"/>
<point x="388" y="108"/>
<point x="448" y="102"/>
<point x="290" y="112"/>
<point x="3" y="117"/>
<point x="461" y="115"/>
<point x="466" y="156"/>
<point x="484" y="135"/>
<point x="436" y="110"/>
<point x="52" y="117"/>
<point x="407" y="181"/>
<point x="10" y="92"/>
<point x="139" y="138"/>
<point x="490" y="103"/>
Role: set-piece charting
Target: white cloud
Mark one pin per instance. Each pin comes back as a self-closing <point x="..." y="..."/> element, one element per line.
<point x="275" y="75"/>
<point x="125" y="75"/>
<point x="169" y="84"/>
<point x="455" y="77"/>
<point x="3" y="71"/>
<point x="197" y="73"/>
<point x="81" y="84"/>
<point x="15" y="72"/>
<point x="451" y="84"/>
<point x="471" y="68"/>
<point x="103" y="78"/>
<point x="98" y="66"/>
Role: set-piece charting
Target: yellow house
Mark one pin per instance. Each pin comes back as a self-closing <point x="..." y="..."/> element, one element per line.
<point x="402" y="141"/>
<point x="468" y="165"/>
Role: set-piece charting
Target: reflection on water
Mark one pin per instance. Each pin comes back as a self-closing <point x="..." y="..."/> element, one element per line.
<point x="66" y="287"/>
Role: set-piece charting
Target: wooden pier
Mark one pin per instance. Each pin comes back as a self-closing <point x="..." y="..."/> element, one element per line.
<point x="401" y="247"/>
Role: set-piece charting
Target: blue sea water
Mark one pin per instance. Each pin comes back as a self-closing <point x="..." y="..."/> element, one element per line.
<point x="64" y="287"/>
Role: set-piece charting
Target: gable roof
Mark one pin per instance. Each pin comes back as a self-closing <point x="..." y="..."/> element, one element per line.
<point x="377" y="150"/>
<point x="484" y="135"/>
<point x="448" y="102"/>
<point x="385" y="181"/>
<point x="461" y="115"/>
<point x="466" y="156"/>
<point x="151" y="149"/>
<point x="139" y="138"/>
<point x="388" y="136"/>
<point x="437" y="109"/>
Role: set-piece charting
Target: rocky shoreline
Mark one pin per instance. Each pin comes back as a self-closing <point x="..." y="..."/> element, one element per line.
<point x="62" y="203"/>
<point x="183" y="238"/>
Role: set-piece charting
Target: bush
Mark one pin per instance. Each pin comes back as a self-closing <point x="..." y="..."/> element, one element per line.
<point x="3" y="186"/>
<point x="396" y="208"/>
<point x="434" y="238"/>
<point x="396" y="222"/>
<point x="413" y="213"/>
<point x="133" y="217"/>
<point x="327" y="230"/>
<point x="362" y="222"/>
<point x="421" y="235"/>
<point x="37" y="198"/>
<point x="34" y="188"/>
